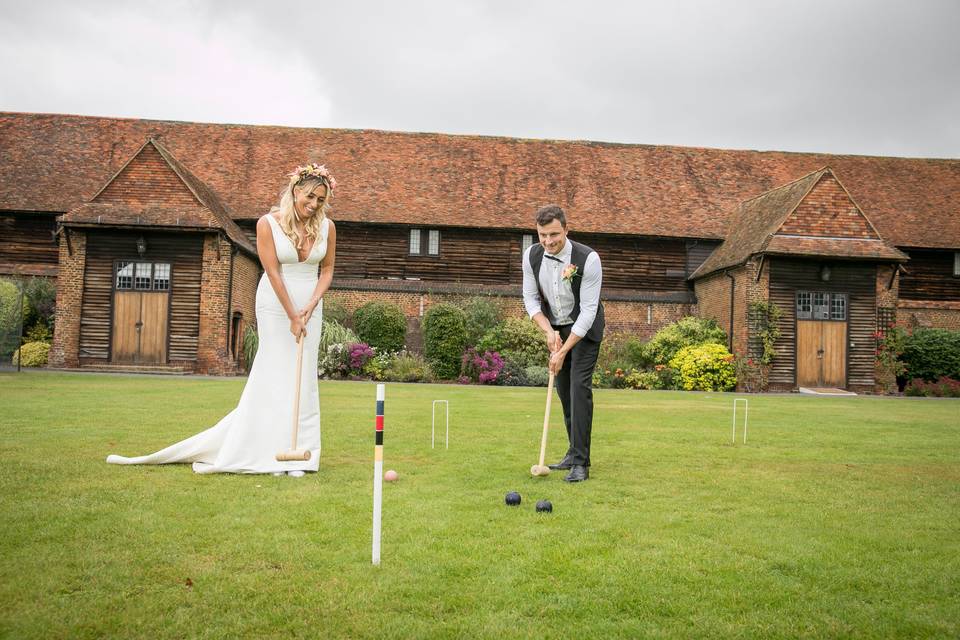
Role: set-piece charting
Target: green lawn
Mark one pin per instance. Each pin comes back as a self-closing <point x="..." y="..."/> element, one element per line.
<point x="838" y="518"/>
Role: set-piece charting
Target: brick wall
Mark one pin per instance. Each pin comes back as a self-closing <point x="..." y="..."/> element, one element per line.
<point x="713" y="301"/>
<point x="888" y="285"/>
<point x="213" y="354"/>
<point x="713" y="298"/>
<point x="929" y="314"/>
<point x="66" y="337"/>
<point x="243" y="298"/>
<point x="828" y="211"/>
<point x="751" y="284"/>
<point x="643" y="319"/>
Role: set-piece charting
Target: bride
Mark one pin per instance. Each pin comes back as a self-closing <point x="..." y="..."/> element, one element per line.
<point x="292" y="240"/>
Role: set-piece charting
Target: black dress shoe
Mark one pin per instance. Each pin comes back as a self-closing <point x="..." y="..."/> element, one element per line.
<point x="578" y="473"/>
<point x="563" y="464"/>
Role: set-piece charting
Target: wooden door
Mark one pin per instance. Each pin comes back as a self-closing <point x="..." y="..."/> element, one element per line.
<point x="821" y="353"/>
<point x="808" y="353"/>
<point x="126" y="319"/>
<point x="834" y="360"/>
<point x="140" y="327"/>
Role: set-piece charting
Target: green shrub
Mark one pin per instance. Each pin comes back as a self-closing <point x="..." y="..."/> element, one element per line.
<point x="642" y="379"/>
<point x="251" y="342"/>
<point x="512" y="375"/>
<point x="407" y="367"/>
<point x="335" y="333"/>
<point x="705" y="367"/>
<point x="9" y="309"/>
<point x="381" y="325"/>
<point x="41" y="296"/>
<point x="537" y="376"/>
<point x="686" y="332"/>
<point x="943" y="388"/>
<point x="622" y="349"/>
<point x="482" y="315"/>
<point x="519" y="341"/>
<point x="34" y="354"/>
<point x="931" y="354"/>
<point x="444" y="339"/>
<point x="334" y="310"/>
<point x="375" y="368"/>
<point x="334" y="362"/>
<point x="39" y="332"/>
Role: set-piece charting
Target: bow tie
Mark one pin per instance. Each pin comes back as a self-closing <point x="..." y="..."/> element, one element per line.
<point x="549" y="257"/>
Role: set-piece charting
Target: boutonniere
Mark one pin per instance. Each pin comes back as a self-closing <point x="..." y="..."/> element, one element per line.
<point x="569" y="273"/>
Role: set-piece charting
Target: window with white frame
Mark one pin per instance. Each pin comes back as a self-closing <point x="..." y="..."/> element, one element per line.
<point x="819" y="305"/>
<point x="424" y="242"/>
<point x="161" y="277"/>
<point x="142" y="276"/>
<point x="804" y="305"/>
<point x="124" y="275"/>
<point x="956" y="264"/>
<point x="415" y="242"/>
<point x="526" y="242"/>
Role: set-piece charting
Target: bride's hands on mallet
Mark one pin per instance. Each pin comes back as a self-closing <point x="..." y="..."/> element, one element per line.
<point x="307" y="312"/>
<point x="298" y="327"/>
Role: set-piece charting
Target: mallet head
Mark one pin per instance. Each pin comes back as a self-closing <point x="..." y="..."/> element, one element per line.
<point x="539" y="470"/>
<point x="298" y="455"/>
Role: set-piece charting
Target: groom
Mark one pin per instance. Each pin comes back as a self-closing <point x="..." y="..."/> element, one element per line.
<point x="561" y="292"/>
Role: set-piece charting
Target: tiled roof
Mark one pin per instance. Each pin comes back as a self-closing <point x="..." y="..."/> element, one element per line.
<point x="811" y="216"/>
<point x="204" y="210"/>
<point x="417" y="178"/>
<point x="754" y="221"/>
<point x="852" y="248"/>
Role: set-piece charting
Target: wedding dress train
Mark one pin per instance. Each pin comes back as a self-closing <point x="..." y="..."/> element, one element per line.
<point x="248" y="438"/>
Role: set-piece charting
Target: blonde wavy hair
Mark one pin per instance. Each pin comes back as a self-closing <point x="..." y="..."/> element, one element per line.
<point x="301" y="179"/>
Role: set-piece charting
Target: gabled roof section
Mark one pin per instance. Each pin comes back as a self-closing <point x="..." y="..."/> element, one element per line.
<point x="755" y="221"/>
<point x="147" y="177"/>
<point x="811" y="216"/>
<point x="154" y="189"/>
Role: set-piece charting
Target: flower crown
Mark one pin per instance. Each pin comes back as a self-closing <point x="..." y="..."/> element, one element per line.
<point x="313" y="170"/>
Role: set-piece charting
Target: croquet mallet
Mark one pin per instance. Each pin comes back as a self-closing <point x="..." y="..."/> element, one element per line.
<point x="294" y="453"/>
<point x="540" y="469"/>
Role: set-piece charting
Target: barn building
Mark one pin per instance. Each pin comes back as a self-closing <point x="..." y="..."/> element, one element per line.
<point x="149" y="229"/>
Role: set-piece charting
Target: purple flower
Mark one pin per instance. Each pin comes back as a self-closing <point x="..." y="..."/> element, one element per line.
<point x="359" y="354"/>
<point x="483" y="368"/>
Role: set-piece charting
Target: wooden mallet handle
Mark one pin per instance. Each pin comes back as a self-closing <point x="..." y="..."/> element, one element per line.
<point x="546" y="420"/>
<point x="293" y="453"/>
<point x="296" y="395"/>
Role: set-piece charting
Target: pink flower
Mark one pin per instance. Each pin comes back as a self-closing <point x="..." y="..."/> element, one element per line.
<point x="314" y="170"/>
<point x="570" y="272"/>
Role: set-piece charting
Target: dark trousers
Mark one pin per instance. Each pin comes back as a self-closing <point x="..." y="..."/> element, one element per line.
<point x="575" y="388"/>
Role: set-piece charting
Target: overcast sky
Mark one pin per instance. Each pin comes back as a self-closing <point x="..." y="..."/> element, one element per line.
<point x="870" y="77"/>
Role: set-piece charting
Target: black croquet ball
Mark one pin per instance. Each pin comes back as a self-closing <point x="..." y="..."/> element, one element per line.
<point x="544" y="505"/>
<point x="512" y="498"/>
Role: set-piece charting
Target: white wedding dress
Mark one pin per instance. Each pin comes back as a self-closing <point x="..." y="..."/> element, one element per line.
<point x="248" y="438"/>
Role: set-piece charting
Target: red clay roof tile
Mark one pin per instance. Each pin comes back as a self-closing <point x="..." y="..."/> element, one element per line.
<point x="56" y="162"/>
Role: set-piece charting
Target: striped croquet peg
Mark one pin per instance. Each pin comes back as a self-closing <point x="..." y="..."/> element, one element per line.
<point x="378" y="473"/>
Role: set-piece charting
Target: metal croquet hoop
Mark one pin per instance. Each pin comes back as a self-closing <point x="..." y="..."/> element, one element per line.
<point x="433" y="421"/>
<point x="746" y="408"/>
